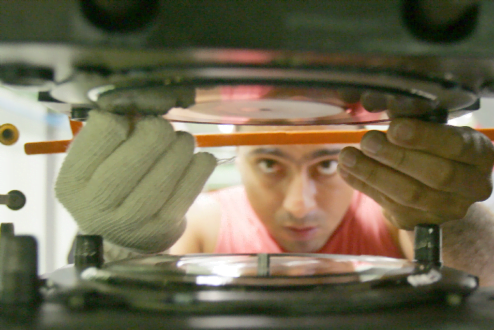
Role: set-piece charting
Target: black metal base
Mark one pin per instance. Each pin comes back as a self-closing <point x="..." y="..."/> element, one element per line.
<point x="477" y="312"/>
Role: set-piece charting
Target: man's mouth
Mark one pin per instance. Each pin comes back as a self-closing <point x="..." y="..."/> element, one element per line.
<point x="302" y="233"/>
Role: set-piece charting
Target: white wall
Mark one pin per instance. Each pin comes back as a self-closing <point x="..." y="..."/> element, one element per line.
<point x="42" y="216"/>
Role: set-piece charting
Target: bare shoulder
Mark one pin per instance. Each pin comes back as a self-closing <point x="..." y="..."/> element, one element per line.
<point x="203" y="224"/>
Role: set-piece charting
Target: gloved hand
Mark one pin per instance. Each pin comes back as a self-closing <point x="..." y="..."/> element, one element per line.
<point x="421" y="172"/>
<point x="132" y="182"/>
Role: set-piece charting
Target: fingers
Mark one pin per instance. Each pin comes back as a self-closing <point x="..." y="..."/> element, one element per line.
<point x="189" y="186"/>
<point x="152" y="192"/>
<point x="436" y="172"/>
<point x="163" y="228"/>
<point x="99" y="138"/>
<point x="407" y="218"/>
<point x="462" y="144"/>
<point x="399" y="187"/>
<point x="404" y="217"/>
<point x="127" y="165"/>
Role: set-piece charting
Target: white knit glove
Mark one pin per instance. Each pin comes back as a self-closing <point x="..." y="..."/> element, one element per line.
<point x="132" y="183"/>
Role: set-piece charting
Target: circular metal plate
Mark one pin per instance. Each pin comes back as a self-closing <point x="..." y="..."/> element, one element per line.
<point x="266" y="270"/>
<point x="276" y="284"/>
<point x="269" y="96"/>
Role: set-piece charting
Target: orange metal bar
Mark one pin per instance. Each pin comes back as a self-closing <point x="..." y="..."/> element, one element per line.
<point x="273" y="138"/>
<point x="50" y="147"/>
<point x="243" y="138"/>
<point x="76" y="126"/>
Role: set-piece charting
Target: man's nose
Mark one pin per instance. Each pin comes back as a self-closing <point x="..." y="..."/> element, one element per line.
<point x="300" y="197"/>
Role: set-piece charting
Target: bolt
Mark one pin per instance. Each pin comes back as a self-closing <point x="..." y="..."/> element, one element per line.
<point x="19" y="281"/>
<point x="428" y="244"/>
<point x="7" y="229"/>
<point x="9" y="134"/>
<point x="15" y="200"/>
<point x="263" y="261"/>
<point x="88" y="251"/>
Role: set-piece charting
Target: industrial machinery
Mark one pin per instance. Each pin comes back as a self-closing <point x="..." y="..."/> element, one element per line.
<point x="276" y="62"/>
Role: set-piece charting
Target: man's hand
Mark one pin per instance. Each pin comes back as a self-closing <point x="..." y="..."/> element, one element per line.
<point x="421" y="172"/>
<point x="132" y="182"/>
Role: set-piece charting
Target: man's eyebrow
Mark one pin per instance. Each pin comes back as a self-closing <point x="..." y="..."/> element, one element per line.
<point x="277" y="152"/>
<point x="269" y="151"/>
<point x="323" y="153"/>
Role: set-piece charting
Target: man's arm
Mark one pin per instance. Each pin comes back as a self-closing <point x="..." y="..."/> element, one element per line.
<point x="189" y="242"/>
<point x="468" y="244"/>
<point x="203" y="223"/>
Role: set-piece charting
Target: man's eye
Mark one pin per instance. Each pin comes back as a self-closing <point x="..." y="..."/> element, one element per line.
<point x="268" y="165"/>
<point x="327" y="167"/>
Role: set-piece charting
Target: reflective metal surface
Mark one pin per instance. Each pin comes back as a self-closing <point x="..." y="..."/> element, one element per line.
<point x="254" y="270"/>
<point x="260" y="284"/>
<point x="271" y="96"/>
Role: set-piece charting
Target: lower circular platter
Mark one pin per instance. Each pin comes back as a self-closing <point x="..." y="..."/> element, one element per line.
<point x="256" y="270"/>
<point x="276" y="284"/>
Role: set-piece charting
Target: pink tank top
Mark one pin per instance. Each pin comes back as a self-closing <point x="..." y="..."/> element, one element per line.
<point x="361" y="232"/>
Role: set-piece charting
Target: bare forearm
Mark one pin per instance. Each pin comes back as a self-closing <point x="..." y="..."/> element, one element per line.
<point x="468" y="244"/>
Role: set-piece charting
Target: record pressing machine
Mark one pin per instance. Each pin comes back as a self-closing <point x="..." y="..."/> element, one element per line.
<point x="276" y="62"/>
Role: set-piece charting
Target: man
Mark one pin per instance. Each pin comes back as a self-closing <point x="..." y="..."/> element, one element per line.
<point x="118" y="179"/>
<point x="292" y="200"/>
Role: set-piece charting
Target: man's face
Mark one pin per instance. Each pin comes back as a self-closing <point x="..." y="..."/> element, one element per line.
<point x="296" y="192"/>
